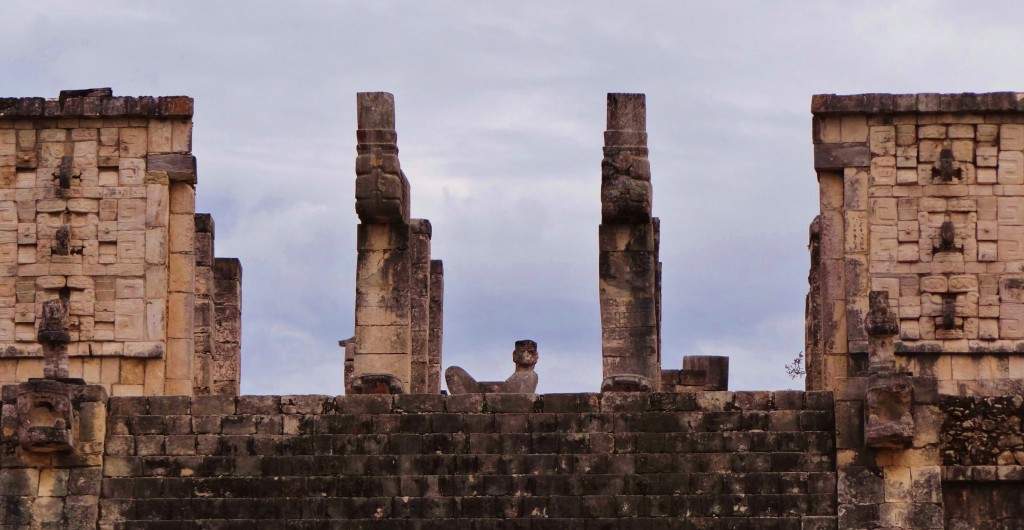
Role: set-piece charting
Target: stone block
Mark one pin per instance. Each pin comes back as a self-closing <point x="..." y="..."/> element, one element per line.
<point x="367" y="404"/>
<point x="883" y="140"/>
<point x="1011" y="137"/>
<point x="1010" y="246"/>
<point x="217" y="405"/>
<point x="840" y="156"/>
<point x="1010" y="211"/>
<point x="986" y="157"/>
<point x="883" y="171"/>
<point x="858" y="485"/>
<point x="1011" y="167"/>
<point x="854" y="128"/>
<point x="259" y="405"/>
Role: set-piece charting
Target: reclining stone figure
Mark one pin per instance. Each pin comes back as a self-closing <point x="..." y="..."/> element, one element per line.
<point x="522" y="381"/>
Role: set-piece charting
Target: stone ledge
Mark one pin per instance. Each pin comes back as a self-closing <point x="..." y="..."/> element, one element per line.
<point x="97" y="104"/>
<point x="133" y="350"/>
<point x="894" y="103"/>
<point x="79" y="392"/>
<point x="609" y="402"/>
<point x="983" y="474"/>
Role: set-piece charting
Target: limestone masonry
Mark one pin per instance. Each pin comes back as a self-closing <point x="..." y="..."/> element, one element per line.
<point x="120" y="347"/>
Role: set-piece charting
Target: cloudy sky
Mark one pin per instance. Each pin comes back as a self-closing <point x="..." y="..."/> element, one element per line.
<point x="501" y="109"/>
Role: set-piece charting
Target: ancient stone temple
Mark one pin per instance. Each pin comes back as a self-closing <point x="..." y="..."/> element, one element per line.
<point x="121" y="353"/>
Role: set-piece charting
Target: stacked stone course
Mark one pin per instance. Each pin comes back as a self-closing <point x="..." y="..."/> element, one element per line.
<point x="634" y="460"/>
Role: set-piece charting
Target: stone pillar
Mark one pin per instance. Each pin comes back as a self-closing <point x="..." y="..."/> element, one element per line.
<point x="436" y="326"/>
<point x="657" y="290"/>
<point x="420" y="305"/>
<point x="383" y="275"/>
<point x="181" y="273"/>
<point x="813" y="352"/>
<point x="202" y="377"/>
<point x="226" y="360"/>
<point x="629" y="291"/>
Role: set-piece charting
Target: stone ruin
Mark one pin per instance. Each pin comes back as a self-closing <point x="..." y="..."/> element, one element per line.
<point x="399" y="288"/>
<point x="120" y="347"/>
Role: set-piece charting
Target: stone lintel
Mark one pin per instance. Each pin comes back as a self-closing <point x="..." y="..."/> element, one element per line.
<point x="97" y="103"/>
<point x="179" y="167"/>
<point x="841" y="156"/>
<point x="890" y="103"/>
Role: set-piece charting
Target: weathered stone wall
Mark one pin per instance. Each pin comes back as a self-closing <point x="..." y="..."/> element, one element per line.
<point x="636" y="460"/>
<point x="889" y="487"/>
<point x="922" y="196"/>
<point x="983" y="455"/>
<point x="983" y="431"/>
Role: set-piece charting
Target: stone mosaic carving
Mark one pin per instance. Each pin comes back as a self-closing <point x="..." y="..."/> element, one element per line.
<point x="882" y="328"/>
<point x="45" y="416"/>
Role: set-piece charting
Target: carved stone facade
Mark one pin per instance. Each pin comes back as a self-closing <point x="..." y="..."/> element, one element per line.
<point x="921" y="197"/>
<point x="97" y="205"/>
<point x="913" y="301"/>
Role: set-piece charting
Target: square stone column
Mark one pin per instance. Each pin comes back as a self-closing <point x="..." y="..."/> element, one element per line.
<point x="628" y="242"/>
<point x="420" y="302"/>
<point x="383" y="362"/>
<point x="436" y="326"/>
<point x="202" y="376"/>
<point x="226" y="361"/>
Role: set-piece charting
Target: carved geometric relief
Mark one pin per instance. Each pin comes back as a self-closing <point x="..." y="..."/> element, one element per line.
<point x="80" y="233"/>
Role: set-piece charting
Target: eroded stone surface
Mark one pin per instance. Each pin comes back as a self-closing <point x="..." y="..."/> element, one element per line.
<point x="888" y="408"/>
